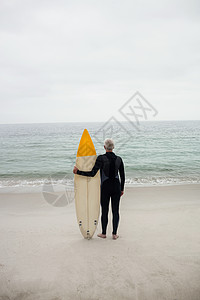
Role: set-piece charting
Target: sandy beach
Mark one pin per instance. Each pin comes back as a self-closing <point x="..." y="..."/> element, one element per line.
<point x="43" y="255"/>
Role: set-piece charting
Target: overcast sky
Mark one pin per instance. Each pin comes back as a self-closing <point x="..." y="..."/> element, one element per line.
<point x="63" y="61"/>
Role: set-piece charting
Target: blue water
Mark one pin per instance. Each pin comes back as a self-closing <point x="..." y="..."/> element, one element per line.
<point x="157" y="153"/>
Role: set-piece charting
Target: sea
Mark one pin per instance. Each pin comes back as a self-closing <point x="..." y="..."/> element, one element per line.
<point x="154" y="152"/>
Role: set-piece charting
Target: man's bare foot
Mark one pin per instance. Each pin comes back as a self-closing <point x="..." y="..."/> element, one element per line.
<point x="101" y="235"/>
<point x="115" y="236"/>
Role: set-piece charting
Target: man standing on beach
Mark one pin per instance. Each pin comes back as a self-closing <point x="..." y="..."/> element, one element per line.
<point x="111" y="187"/>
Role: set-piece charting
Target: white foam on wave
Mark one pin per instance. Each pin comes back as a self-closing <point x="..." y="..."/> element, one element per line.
<point x="34" y="185"/>
<point x="153" y="181"/>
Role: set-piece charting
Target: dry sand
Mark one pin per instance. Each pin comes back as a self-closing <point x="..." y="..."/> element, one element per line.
<point x="43" y="255"/>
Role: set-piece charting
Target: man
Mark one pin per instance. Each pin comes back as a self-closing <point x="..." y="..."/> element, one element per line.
<point x="110" y="166"/>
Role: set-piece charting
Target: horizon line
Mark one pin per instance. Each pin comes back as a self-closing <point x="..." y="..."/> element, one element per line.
<point x="64" y="122"/>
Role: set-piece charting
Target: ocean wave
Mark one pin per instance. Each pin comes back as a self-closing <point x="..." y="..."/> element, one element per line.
<point x="65" y="183"/>
<point x="35" y="183"/>
<point x="162" y="180"/>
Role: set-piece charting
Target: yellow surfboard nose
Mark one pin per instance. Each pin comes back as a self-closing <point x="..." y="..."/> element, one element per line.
<point x="86" y="146"/>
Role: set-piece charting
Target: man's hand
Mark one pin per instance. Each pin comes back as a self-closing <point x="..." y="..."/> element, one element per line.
<point x="122" y="193"/>
<point x="75" y="170"/>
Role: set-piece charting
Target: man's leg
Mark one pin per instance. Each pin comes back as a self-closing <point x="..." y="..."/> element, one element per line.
<point x="105" y="199"/>
<point x="115" y="199"/>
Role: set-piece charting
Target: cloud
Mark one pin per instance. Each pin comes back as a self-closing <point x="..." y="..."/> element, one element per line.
<point x="66" y="53"/>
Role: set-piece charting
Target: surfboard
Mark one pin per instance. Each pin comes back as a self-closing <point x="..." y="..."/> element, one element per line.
<point x="87" y="189"/>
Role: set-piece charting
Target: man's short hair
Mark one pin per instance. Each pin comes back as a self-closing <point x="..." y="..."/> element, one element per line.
<point x="109" y="144"/>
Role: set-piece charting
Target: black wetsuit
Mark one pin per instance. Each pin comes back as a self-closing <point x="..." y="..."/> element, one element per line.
<point x="110" y="165"/>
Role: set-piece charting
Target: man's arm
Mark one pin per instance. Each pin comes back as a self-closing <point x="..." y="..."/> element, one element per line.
<point x="94" y="170"/>
<point x="122" y="175"/>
